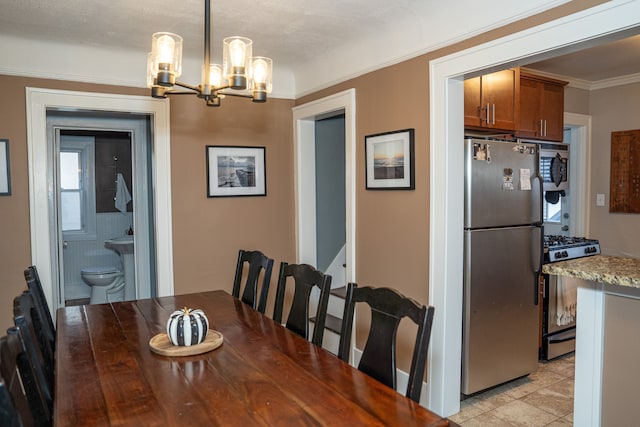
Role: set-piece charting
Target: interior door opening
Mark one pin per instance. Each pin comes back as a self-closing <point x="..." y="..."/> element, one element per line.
<point x="330" y="198"/>
<point x="107" y="198"/>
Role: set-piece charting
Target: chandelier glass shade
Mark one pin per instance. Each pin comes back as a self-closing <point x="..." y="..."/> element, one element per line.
<point x="241" y="74"/>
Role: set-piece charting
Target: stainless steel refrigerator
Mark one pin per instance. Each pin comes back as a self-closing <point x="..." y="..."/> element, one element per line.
<point x="503" y="255"/>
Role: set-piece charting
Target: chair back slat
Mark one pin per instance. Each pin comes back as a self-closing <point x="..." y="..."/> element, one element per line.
<point x="305" y="278"/>
<point x="35" y="287"/>
<point x="378" y="358"/>
<point x="257" y="262"/>
<point x="388" y="308"/>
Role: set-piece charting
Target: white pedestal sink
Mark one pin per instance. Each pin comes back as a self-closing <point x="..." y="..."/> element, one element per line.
<point x="124" y="246"/>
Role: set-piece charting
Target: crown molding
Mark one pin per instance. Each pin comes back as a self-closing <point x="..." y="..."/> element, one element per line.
<point x="587" y="84"/>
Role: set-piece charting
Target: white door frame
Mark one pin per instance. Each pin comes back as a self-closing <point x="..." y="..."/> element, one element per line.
<point x="447" y="172"/>
<point x="137" y="127"/>
<point x="579" y="172"/>
<point x="40" y="193"/>
<point x="304" y="117"/>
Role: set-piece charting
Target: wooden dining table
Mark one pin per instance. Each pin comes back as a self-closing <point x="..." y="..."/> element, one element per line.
<point x="262" y="374"/>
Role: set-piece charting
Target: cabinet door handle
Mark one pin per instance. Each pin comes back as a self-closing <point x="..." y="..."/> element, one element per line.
<point x="545" y="127"/>
<point x="493" y="108"/>
<point x="488" y="114"/>
<point x="541" y="133"/>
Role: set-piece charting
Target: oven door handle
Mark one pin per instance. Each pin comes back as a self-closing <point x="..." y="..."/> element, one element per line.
<point x="563" y="339"/>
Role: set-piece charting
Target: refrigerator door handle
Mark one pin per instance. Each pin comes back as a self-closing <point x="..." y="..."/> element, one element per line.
<point x="537" y="240"/>
<point x="536" y="199"/>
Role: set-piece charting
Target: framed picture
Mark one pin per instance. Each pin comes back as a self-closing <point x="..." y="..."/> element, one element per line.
<point x="389" y="158"/>
<point x="5" y="175"/>
<point x="236" y="171"/>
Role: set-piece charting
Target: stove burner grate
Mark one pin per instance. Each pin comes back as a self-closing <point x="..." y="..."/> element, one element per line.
<point x="562" y="248"/>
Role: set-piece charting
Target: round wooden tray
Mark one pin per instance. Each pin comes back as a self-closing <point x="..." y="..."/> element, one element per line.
<point x="162" y="345"/>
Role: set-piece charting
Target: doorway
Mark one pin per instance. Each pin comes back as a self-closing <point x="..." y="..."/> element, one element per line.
<point x="331" y="198"/>
<point x="43" y="248"/>
<point x="590" y="27"/>
<point x="304" y="118"/>
<point x="106" y="147"/>
<point x="308" y="133"/>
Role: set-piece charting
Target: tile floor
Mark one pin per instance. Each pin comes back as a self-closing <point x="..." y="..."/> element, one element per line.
<point x="544" y="398"/>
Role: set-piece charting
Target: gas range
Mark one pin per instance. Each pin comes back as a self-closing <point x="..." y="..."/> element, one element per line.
<point x="562" y="248"/>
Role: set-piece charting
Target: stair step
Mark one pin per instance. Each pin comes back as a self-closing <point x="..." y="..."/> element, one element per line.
<point x="340" y="292"/>
<point x="332" y="323"/>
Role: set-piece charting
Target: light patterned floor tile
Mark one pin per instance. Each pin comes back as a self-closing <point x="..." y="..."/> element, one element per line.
<point x="544" y="398"/>
<point x="562" y="366"/>
<point x="467" y="411"/>
<point x="535" y="381"/>
<point x="520" y="413"/>
<point x="486" y="420"/>
<point x="560" y="422"/>
<point x="549" y="400"/>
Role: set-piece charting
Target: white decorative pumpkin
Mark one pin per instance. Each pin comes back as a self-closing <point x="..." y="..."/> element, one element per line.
<point x="187" y="327"/>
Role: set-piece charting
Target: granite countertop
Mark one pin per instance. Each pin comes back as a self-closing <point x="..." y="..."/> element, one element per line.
<point x="599" y="268"/>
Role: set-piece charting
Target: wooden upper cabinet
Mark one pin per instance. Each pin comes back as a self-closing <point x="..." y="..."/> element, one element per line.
<point x="492" y="101"/>
<point x="541" y="108"/>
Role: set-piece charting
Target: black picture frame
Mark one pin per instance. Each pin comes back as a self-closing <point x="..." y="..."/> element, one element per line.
<point x="5" y="170"/>
<point x="234" y="171"/>
<point x="389" y="160"/>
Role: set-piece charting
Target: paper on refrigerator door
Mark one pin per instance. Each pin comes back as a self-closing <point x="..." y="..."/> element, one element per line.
<point x="525" y="179"/>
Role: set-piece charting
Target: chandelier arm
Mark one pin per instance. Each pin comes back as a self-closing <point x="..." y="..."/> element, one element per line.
<point x="219" y="88"/>
<point x="188" y="86"/>
<point x="179" y="92"/>
<point x="239" y="95"/>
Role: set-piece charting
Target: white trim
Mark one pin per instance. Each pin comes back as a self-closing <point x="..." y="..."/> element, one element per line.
<point x="590" y="85"/>
<point x="304" y="117"/>
<point x="579" y="172"/>
<point x="37" y="102"/>
<point x="587" y="398"/>
<point x="446" y="170"/>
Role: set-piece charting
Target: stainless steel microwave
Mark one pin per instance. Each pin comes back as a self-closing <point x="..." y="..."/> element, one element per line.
<point x="554" y="166"/>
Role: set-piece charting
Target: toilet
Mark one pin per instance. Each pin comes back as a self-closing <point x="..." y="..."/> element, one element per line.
<point x="107" y="284"/>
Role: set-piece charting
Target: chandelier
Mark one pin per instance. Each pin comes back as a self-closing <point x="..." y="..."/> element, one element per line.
<point x="239" y="75"/>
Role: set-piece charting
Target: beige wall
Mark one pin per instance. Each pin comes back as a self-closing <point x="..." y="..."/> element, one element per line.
<point x="612" y="109"/>
<point x="207" y="231"/>
<point x="576" y="100"/>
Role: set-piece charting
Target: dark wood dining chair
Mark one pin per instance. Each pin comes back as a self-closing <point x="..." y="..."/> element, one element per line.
<point x="35" y="287"/>
<point x="305" y="278"/>
<point x="258" y="262"/>
<point x="21" y="400"/>
<point x="25" y="319"/>
<point x="378" y="360"/>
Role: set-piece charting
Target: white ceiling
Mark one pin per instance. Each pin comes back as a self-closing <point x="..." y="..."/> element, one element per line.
<point x="597" y="65"/>
<point x="288" y="30"/>
<point x="313" y="42"/>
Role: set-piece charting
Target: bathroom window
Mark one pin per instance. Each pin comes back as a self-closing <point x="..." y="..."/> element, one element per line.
<point x="71" y="190"/>
<point x="77" y="188"/>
